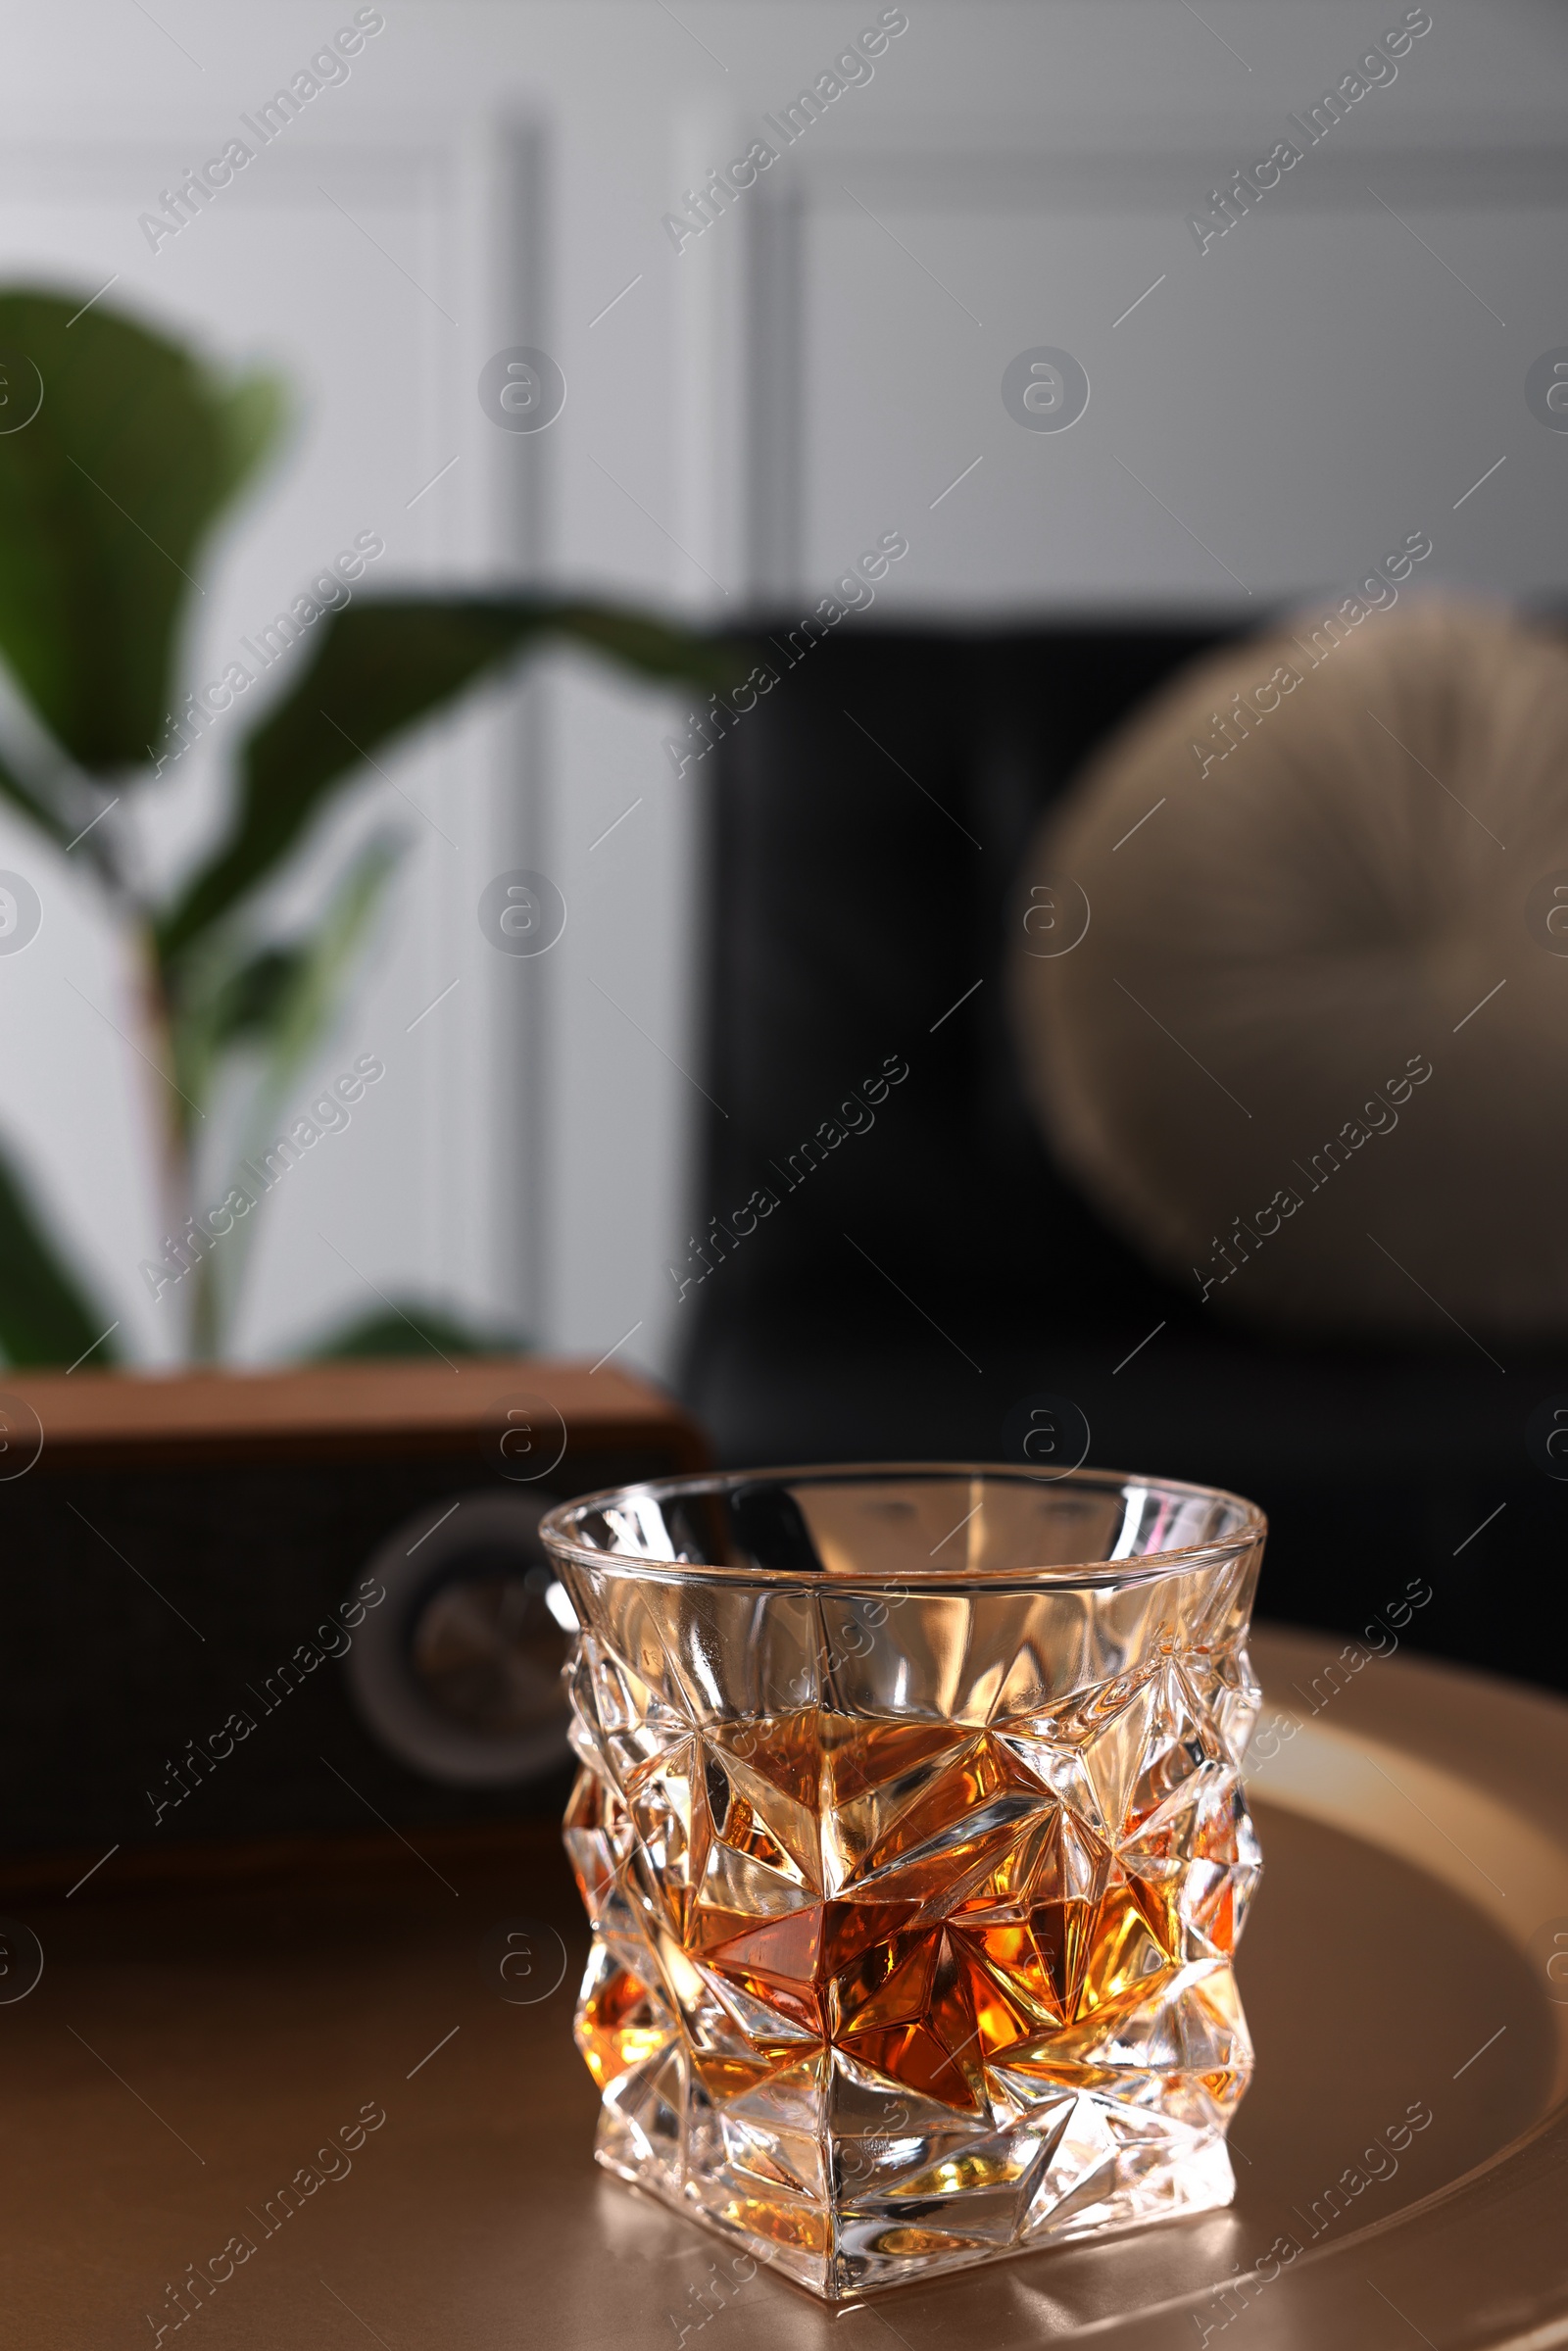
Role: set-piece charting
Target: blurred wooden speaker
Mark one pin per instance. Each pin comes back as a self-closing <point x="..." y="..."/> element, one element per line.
<point x="252" y="1604"/>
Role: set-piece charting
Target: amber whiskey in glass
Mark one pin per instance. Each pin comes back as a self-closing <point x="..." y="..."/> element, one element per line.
<point x="911" y="1827"/>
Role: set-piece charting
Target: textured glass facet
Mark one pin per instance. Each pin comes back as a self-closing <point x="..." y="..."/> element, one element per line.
<point x="910" y="1829"/>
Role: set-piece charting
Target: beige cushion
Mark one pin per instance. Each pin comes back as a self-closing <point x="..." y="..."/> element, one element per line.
<point x="1263" y="1058"/>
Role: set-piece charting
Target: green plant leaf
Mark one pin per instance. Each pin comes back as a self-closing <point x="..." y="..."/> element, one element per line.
<point x="229" y="997"/>
<point x="45" y="1317"/>
<point x="322" y="965"/>
<point x="247" y="1002"/>
<point x="379" y="667"/>
<point x="417" y="1329"/>
<point x="106" y="497"/>
<point x="280" y="999"/>
<point x="279" y="1002"/>
<point x="251" y="414"/>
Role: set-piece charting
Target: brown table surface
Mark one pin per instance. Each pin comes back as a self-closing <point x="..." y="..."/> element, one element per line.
<point x="198" y="2033"/>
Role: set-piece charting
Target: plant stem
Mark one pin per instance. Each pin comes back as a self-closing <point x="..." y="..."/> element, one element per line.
<point x="172" y="1127"/>
<point x="205" y="1327"/>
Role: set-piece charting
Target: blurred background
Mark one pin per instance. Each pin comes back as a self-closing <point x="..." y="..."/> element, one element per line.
<point x="1013" y="379"/>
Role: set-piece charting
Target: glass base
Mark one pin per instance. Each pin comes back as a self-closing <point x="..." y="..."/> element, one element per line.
<point x="911" y="2206"/>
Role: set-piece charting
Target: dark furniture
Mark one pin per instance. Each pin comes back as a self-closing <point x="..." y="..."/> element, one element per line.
<point x="933" y="1274"/>
<point x="181" y="1558"/>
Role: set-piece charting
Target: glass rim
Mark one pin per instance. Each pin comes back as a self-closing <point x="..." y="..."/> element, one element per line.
<point x="555" y="1529"/>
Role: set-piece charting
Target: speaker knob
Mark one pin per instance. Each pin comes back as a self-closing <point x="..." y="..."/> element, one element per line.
<point x="457" y="1673"/>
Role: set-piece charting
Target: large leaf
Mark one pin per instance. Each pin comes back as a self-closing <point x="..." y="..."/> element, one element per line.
<point x="44" y="1316"/>
<point x="378" y="667"/>
<point x="106" y="497"/>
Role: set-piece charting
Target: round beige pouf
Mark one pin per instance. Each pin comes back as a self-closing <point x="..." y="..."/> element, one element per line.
<point x="1291" y="977"/>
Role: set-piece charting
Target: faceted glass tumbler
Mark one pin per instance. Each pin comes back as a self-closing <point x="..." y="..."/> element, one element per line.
<point x="910" y="1829"/>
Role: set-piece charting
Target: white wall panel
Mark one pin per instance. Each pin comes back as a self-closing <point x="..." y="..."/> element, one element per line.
<point x="1269" y="412"/>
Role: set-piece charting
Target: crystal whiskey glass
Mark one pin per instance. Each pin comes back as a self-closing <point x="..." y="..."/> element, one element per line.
<point x="910" y="1829"/>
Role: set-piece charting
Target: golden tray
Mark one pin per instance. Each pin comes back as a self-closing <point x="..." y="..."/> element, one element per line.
<point x="216" y="2028"/>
